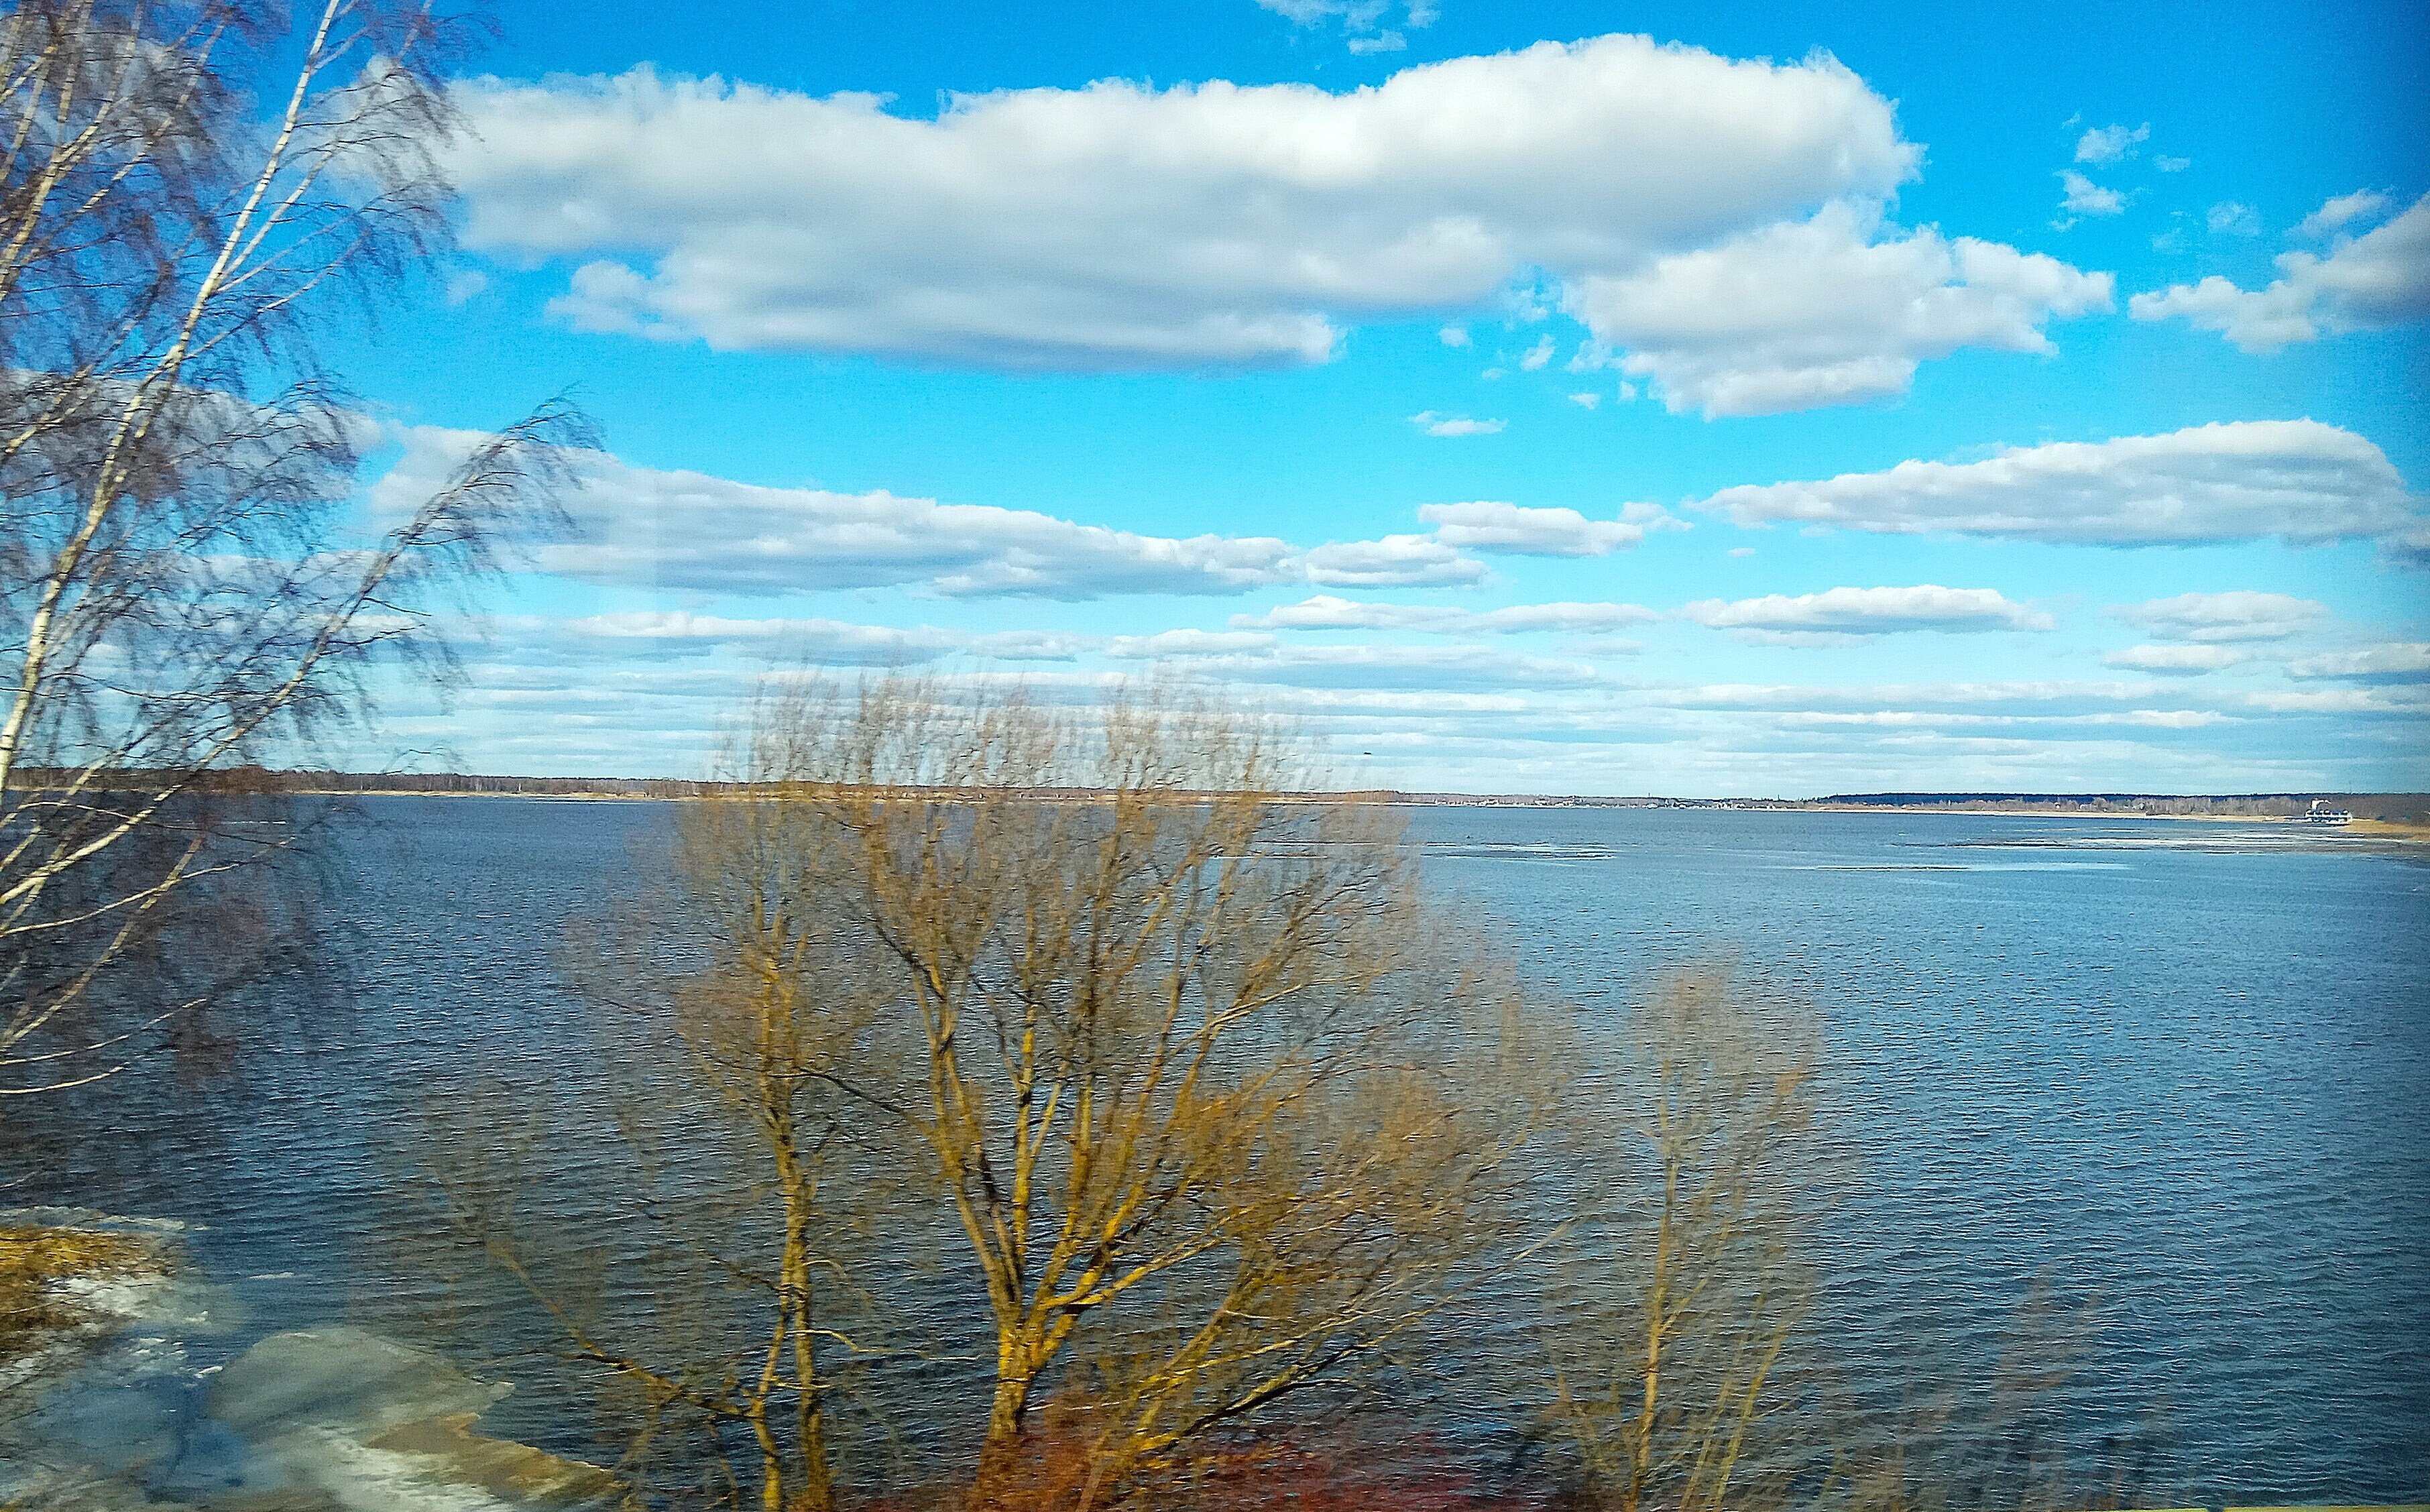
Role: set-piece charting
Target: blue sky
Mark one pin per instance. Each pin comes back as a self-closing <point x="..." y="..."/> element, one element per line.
<point x="1696" y="400"/>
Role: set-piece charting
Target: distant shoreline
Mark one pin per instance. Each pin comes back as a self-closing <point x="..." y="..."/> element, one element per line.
<point x="2379" y="815"/>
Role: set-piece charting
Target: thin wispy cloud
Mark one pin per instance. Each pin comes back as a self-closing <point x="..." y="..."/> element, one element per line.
<point x="1438" y="424"/>
<point x="1839" y="616"/>
<point x="2243" y="614"/>
<point x="2108" y="144"/>
<point x="2298" y="481"/>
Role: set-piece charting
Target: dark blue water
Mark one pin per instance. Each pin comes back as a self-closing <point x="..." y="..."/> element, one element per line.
<point x="2177" y="1071"/>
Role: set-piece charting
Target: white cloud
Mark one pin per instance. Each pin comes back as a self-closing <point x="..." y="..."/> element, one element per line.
<point x="1537" y="356"/>
<point x="645" y="634"/>
<point x="1455" y="336"/>
<point x="1585" y="401"/>
<point x="1326" y="612"/>
<point x="2394" y="661"/>
<point x="649" y="636"/>
<point x="1487" y="524"/>
<point x="2243" y="615"/>
<point x="2173" y="165"/>
<point x="1435" y="425"/>
<point x="692" y="532"/>
<point x="1395" y="561"/>
<point x="2229" y="218"/>
<point x="2085" y="197"/>
<point x="466" y="285"/>
<point x="1187" y="643"/>
<point x="1840" y="615"/>
<point x="2175" y="661"/>
<point x="2107" y="144"/>
<point x="2369" y="282"/>
<point x="1819" y="312"/>
<point x="2049" y="698"/>
<point x="1365" y="22"/>
<point x="2341" y="211"/>
<point x="2298" y="480"/>
<point x="1031" y="645"/>
<point x="1420" y="668"/>
<point x="1122" y="226"/>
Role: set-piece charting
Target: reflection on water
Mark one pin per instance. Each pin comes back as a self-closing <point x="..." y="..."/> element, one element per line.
<point x="2176" y="1068"/>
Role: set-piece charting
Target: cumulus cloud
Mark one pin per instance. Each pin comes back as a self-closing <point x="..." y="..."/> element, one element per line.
<point x="2211" y="618"/>
<point x="2341" y="211"/>
<point x="2378" y="279"/>
<point x="1585" y="401"/>
<point x="692" y="532"/>
<point x="1455" y="336"/>
<point x="2395" y="661"/>
<point x="2176" y="661"/>
<point x="1841" y="615"/>
<point x="2085" y="197"/>
<point x="1327" y="612"/>
<point x="1435" y="425"/>
<point x="2108" y="144"/>
<point x="1822" y="313"/>
<point x="1122" y="226"/>
<point x="1486" y="525"/>
<point x="2173" y="165"/>
<point x="1538" y="356"/>
<point x="2229" y="218"/>
<point x="2298" y="480"/>
<point x="1394" y="561"/>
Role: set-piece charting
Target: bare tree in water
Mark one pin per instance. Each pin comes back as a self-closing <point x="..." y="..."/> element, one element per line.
<point x="183" y="586"/>
<point x="1668" y="1352"/>
<point x="1158" y="1050"/>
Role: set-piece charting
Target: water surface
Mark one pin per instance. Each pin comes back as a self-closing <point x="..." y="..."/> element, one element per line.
<point x="2176" y="1068"/>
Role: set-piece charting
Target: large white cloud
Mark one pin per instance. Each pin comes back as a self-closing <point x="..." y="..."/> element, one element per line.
<point x="1823" y="311"/>
<point x="2298" y="480"/>
<point x="2211" y="618"/>
<point x="2377" y="279"/>
<point x="1123" y="226"/>
<point x="690" y="531"/>
<point x="1840" y="615"/>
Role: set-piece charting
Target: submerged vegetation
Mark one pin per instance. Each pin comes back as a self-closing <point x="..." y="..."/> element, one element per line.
<point x="46" y="1277"/>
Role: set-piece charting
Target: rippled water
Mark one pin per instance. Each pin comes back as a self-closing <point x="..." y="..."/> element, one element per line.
<point x="2179" y="1069"/>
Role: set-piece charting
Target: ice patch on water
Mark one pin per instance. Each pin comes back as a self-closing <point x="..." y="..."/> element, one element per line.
<point x="333" y="1419"/>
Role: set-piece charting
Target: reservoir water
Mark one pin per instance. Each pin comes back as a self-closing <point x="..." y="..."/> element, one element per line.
<point x="2176" y="1072"/>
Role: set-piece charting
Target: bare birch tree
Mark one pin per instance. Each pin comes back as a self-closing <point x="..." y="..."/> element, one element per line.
<point x="1200" y="1110"/>
<point x="1668" y="1358"/>
<point x="180" y="581"/>
<point x="1212" y="1113"/>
